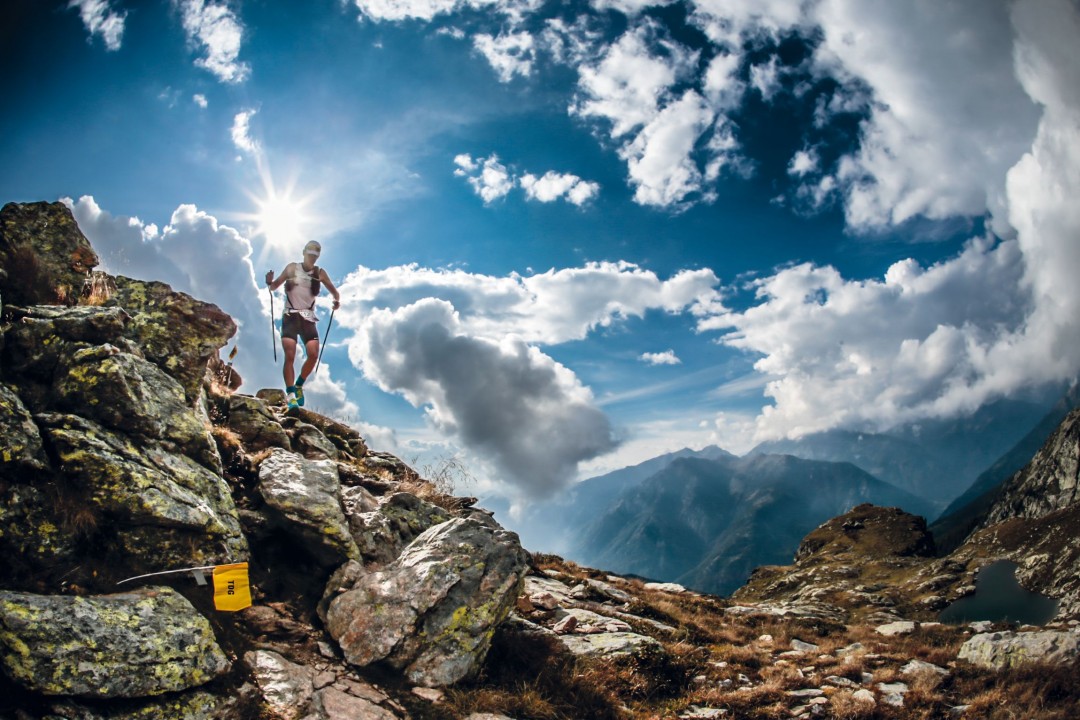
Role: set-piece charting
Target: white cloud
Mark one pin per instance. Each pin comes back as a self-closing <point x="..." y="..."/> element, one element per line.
<point x="804" y="162"/>
<point x="101" y="19"/>
<point x="503" y="399"/>
<point x="629" y="7"/>
<point x="765" y="78"/>
<point x="241" y="132"/>
<point x="200" y="100"/>
<point x="398" y="10"/>
<point x="465" y="347"/>
<point x="553" y="186"/>
<point x="727" y="23"/>
<point x="629" y="84"/>
<point x="948" y="117"/>
<point x="327" y="396"/>
<point x="492" y="180"/>
<point x="193" y="254"/>
<point x="668" y="357"/>
<point x="879" y="352"/>
<point x="547" y="308"/>
<point x="509" y="54"/>
<point x="218" y="32"/>
<point x="659" y="158"/>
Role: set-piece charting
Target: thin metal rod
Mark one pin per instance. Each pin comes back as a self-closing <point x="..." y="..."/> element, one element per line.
<point x="166" y="572"/>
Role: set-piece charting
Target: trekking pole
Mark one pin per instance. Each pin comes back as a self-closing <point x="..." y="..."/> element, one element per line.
<point x="323" y="346"/>
<point x="273" y="339"/>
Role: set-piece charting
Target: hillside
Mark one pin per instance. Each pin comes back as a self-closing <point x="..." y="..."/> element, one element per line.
<point x="126" y="449"/>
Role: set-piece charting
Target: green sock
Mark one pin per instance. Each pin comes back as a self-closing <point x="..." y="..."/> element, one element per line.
<point x="300" y="381"/>
<point x="290" y="389"/>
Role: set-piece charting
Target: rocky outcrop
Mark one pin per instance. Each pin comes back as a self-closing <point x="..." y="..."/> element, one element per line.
<point x="433" y="611"/>
<point x="147" y="642"/>
<point x="305" y="498"/>
<point x="1009" y="649"/>
<point x="43" y="256"/>
<point x="1050" y="482"/>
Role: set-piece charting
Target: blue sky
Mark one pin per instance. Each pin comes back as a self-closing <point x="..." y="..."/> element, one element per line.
<point x="572" y="236"/>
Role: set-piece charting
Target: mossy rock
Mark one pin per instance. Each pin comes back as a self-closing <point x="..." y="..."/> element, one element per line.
<point x="44" y="255"/>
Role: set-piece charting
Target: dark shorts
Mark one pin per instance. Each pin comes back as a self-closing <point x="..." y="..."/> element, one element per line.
<point x="292" y="325"/>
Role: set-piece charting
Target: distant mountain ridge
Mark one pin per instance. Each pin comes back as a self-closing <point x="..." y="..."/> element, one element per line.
<point x="548" y="526"/>
<point x="708" y="523"/>
<point x="935" y="459"/>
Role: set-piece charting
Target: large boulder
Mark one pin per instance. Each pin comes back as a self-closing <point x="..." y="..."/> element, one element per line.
<point x="383" y="533"/>
<point x="168" y="510"/>
<point x="44" y="257"/>
<point x="192" y="705"/>
<point x="129" y="645"/>
<point x="304" y="497"/>
<point x="40" y="336"/>
<point x="175" y="331"/>
<point x="433" y="611"/>
<point x="1008" y="649"/>
<point x="256" y="426"/>
<point x="133" y="396"/>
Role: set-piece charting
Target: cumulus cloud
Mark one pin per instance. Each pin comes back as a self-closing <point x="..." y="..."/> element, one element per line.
<point x="466" y="347"/>
<point x="877" y="352"/>
<point x="215" y="29"/>
<point x="193" y="254"/>
<point x="488" y="177"/>
<point x="200" y="100"/>
<point x="504" y="399"/>
<point x="101" y="19"/>
<point x="633" y="88"/>
<point x="668" y="357"/>
<point x="398" y="10"/>
<point x="492" y="180"/>
<point x="948" y="116"/>
<point x="545" y="308"/>
<point x="1000" y="316"/>
<point x="553" y="186"/>
<point x="804" y="162"/>
<point x="509" y="54"/>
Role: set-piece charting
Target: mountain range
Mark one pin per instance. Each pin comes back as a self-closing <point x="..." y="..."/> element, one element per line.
<point x="707" y="518"/>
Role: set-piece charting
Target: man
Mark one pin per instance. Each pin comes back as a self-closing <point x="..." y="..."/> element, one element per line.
<point x="303" y="281"/>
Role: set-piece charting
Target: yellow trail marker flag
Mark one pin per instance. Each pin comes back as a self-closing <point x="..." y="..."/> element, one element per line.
<point x="232" y="591"/>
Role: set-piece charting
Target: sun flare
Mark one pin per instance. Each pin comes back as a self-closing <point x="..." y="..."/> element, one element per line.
<point x="282" y="220"/>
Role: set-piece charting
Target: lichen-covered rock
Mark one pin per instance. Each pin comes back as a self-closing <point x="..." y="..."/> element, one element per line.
<point x="310" y="442"/>
<point x="1008" y="649"/>
<point x="433" y="611"/>
<point x="192" y="705"/>
<point x="31" y="533"/>
<point x="305" y="496"/>
<point x="137" y="644"/>
<point x="168" y="510"/>
<point x="39" y="336"/>
<point x="43" y="253"/>
<point x="20" y="442"/>
<point x="381" y="534"/>
<point x="176" y="332"/>
<point x="129" y="394"/>
<point x="256" y="426"/>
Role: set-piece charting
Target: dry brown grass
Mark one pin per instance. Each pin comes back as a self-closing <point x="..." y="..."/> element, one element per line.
<point x="843" y="705"/>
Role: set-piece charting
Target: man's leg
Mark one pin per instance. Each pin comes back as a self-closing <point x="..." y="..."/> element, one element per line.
<point x="289" y="372"/>
<point x="312" y="348"/>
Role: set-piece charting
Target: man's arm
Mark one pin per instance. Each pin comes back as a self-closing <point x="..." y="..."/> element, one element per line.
<point x="275" y="284"/>
<point x="330" y="286"/>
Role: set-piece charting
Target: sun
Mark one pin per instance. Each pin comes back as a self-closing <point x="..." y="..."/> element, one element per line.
<point x="282" y="220"/>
